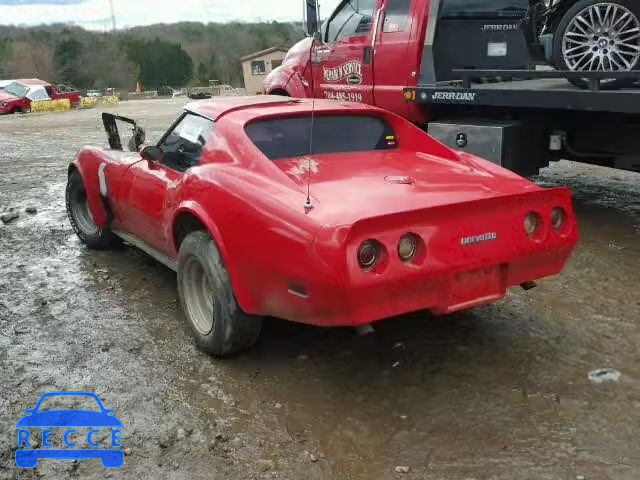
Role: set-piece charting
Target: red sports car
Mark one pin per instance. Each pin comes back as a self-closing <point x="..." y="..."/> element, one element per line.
<point x="366" y="218"/>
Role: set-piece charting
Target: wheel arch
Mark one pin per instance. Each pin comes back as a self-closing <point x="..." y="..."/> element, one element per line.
<point x="92" y="188"/>
<point x="191" y="217"/>
<point x="559" y="11"/>
<point x="287" y="81"/>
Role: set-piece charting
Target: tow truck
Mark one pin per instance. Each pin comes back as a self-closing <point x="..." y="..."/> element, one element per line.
<point x="464" y="70"/>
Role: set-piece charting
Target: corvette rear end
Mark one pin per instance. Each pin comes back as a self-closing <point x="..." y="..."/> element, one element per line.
<point x="443" y="259"/>
<point x="317" y="212"/>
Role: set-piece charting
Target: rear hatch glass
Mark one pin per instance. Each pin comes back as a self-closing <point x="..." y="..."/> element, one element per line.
<point x="292" y="137"/>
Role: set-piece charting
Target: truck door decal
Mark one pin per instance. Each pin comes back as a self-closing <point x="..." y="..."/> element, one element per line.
<point x="351" y="69"/>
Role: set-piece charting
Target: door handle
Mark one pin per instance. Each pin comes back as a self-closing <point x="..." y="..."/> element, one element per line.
<point x="366" y="56"/>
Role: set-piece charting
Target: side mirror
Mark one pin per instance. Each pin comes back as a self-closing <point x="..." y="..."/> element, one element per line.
<point x="311" y="17"/>
<point x="151" y="153"/>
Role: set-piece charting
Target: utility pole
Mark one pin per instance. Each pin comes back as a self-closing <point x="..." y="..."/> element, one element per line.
<point x="113" y="16"/>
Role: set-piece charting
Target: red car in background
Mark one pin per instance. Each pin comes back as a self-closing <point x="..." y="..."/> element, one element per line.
<point x="379" y="220"/>
<point x="16" y="97"/>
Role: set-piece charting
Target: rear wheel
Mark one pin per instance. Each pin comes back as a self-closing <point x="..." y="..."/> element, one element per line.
<point x="81" y="218"/>
<point x="218" y="323"/>
<point x="600" y="36"/>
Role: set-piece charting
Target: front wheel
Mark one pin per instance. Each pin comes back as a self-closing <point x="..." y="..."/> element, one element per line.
<point x="218" y="323"/>
<point x="81" y="218"/>
<point x="599" y="36"/>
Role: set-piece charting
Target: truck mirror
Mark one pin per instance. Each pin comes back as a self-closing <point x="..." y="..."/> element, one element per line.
<point x="311" y="17"/>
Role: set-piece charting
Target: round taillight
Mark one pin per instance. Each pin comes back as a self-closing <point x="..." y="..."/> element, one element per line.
<point x="407" y="247"/>
<point x="368" y="254"/>
<point x="558" y="218"/>
<point x="532" y="224"/>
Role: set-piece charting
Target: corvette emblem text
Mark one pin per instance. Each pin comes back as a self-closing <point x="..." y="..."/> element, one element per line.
<point x="485" y="237"/>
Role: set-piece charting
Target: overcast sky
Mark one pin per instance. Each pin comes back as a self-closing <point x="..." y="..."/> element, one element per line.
<point x="95" y="14"/>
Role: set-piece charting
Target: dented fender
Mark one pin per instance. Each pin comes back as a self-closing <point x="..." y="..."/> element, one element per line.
<point x="89" y="169"/>
<point x="289" y="77"/>
<point x="293" y="83"/>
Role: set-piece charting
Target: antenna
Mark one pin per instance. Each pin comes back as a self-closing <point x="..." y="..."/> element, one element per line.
<point x="309" y="205"/>
<point x="113" y="15"/>
<point x="315" y="37"/>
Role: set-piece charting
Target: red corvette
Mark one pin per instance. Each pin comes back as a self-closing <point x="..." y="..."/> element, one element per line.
<point x="394" y="221"/>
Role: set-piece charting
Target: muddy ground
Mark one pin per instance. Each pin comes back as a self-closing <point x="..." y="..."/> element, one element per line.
<point x="499" y="392"/>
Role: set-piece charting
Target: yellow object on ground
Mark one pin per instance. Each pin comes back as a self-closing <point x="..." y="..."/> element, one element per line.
<point x="111" y="100"/>
<point x="88" y="102"/>
<point x="51" y="105"/>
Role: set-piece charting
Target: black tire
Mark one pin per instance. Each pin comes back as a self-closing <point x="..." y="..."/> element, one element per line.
<point x="81" y="219"/>
<point x="219" y="325"/>
<point x="559" y="59"/>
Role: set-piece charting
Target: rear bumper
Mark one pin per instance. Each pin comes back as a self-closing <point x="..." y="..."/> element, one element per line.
<point x="440" y="293"/>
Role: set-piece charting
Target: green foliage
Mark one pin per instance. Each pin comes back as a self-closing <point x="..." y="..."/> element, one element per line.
<point x="160" y="63"/>
<point x="156" y="55"/>
<point x="66" y="61"/>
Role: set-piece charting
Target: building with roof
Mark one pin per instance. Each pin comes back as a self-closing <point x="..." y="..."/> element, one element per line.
<point x="257" y="66"/>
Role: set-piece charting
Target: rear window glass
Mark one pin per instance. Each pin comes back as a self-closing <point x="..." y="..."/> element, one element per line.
<point x="291" y="137"/>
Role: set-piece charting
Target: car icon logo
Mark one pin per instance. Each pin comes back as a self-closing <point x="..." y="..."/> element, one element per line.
<point x="90" y="432"/>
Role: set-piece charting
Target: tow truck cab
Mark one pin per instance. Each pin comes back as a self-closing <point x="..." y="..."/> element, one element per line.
<point x="374" y="49"/>
<point x="464" y="70"/>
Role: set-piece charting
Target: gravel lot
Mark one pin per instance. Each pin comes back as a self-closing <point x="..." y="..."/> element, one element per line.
<point x="499" y="392"/>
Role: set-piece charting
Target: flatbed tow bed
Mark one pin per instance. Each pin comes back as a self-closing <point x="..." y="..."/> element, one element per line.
<point x="549" y="118"/>
<point x="537" y="89"/>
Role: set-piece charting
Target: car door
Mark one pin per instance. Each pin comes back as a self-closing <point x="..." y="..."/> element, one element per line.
<point x="393" y="65"/>
<point x="343" y="69"/>
<point x="148" y="188"/>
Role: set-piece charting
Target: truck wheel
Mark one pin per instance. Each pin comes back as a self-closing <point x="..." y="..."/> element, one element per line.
<point x="599" y="35"/>
<point x="218" y="323"/>
<point x="81" y="218"/>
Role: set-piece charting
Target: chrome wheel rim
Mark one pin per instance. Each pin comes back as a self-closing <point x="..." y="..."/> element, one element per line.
<point x="198" y="295"/>
<point x="82" y="214"/>
<point x="604" y="37"/>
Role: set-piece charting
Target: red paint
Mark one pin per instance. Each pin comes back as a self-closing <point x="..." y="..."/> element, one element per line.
<point x="254" y="210"/>
<point x="13" y="104"/>
<point x="394" y="63"/>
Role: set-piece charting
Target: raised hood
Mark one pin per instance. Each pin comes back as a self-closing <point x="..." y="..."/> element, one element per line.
<point x="349" y="187"/>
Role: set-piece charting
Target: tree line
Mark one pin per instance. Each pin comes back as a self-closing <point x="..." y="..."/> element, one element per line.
<point x="173" y="55"/>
